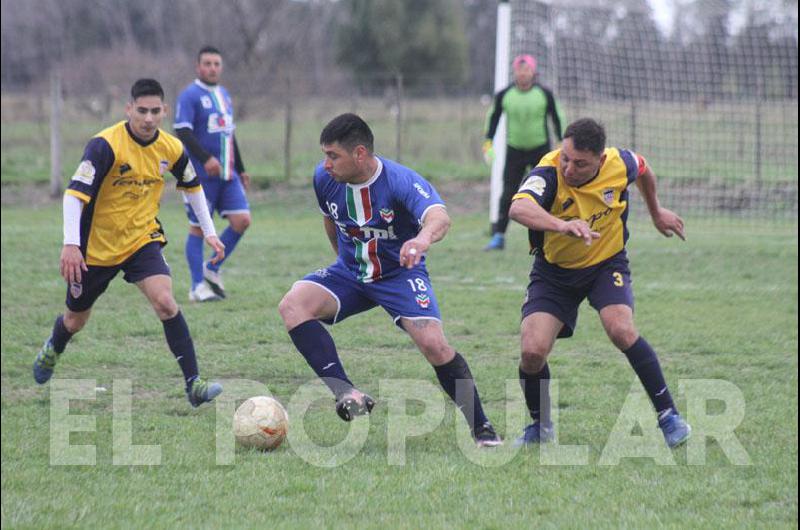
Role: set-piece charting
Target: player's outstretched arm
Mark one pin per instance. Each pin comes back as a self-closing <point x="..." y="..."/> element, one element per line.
<point x="528" y="213"/>
<point x="434" y="227"/>
<point x="666" y="221"/>
<point x="197" y="200"/>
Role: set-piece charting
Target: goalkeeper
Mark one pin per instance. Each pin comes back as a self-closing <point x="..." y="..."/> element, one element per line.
<point x="527" y="104"/>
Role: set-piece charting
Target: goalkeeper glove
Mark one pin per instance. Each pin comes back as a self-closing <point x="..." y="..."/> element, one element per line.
<point x="488" y="152"/>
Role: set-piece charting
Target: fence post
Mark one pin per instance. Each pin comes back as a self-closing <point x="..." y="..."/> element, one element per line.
<point x="287" y="138"/>
<point x="399" y="118"/>
<point x="757" y="157"/>
<point x="55" y="135"/>
<point x="633" y="124"/>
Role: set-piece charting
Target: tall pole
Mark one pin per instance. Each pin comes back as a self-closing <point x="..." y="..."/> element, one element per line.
<point x="502" y="58"/>
<point x="55" y="134"/>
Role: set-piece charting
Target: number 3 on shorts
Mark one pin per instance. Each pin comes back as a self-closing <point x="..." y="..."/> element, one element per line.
<point x="618" y="279"/>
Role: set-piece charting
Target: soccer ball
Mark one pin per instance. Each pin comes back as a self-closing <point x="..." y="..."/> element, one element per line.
<point x="260" y="422"/>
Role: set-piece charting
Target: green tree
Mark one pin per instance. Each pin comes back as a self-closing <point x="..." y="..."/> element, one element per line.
<point x="422" y="40"/>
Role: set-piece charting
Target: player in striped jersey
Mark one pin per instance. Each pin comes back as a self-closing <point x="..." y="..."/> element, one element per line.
<point x="381" y="219"/>
<point x="204" y="123"/>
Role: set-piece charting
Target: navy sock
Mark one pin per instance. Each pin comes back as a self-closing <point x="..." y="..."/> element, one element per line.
<point x="181" y="345"/>
<point x="536" y="388"/>
<point x="60" y="336"/>
<point x="314" y="342"/>
<point x="469" y="402"/>
<point x="229" y="238"/>
<point x="645" y="363"/>
<point x="194" y="257"/>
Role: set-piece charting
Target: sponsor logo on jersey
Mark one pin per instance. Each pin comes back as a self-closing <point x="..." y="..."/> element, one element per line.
<point x="220" y="123"/>
<point x="534" y="184"/>
<point x="366" y="232"/>
<point x="421" y="191"/>
<point x="608" y="196"/>
<point x="423" y="300"/>
<point x="387" y="215"/>
<point x="85" y="173"/>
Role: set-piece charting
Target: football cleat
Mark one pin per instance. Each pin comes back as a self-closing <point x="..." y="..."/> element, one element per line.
<point x="486" y="437"/>
<point x="676" y="430"/>
<point x="498" y="242"/>
<point x="45" y="363"/>
<point x="214" y="280"/>
<point x="354" y="403"/>
<point x="535" y="433"/>
<point x="201" y="392"/>
<point x="203" y="293"/>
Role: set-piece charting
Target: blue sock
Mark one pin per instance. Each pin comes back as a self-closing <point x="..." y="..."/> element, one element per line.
<point x="645" y="363"/>
<point x="314" y="342"/>
<point x="229" y="238"/>
<point x="60" y="336"/>
<point x="194" y="257"/>
<point x="536" y="388"/>
<point x="469" y="402"/>
<point x="180" y="344"/>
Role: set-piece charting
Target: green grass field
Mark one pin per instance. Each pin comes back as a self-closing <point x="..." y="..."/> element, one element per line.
<point x="722" y="306"/>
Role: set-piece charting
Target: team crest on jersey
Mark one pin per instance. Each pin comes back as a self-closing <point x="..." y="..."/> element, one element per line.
<point x="85" y="173"/>
<point x="75" y="289"/>
<point x="423" y="300"/>
<point x="205" y="101"/>
<point x="608" y="196"/>
<point x="387" y="215"/>
<point x="162" y="167"/>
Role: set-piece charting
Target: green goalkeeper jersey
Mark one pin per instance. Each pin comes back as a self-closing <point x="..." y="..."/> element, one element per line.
<point x="526" y="116"/>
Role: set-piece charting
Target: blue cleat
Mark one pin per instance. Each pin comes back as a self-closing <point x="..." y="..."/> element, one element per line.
<point x="498" y="242"/>
<point x="535" y="433"/>
<point x="45" y="363"/>
<point x="201" y="392"/>
<point x="676" y="430"/>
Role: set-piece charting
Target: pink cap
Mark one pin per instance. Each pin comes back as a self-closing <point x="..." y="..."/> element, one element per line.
<point x="519" y="60"/>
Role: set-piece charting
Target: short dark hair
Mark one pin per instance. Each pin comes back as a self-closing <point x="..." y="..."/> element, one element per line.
<point x="349" y="130"/>
<point x="146" y="87"/>
<point x="587" y="135"/>
<point x="208" y="49"/>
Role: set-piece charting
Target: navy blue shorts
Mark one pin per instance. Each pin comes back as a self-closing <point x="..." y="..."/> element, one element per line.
<point x="407" y="295"/>
<point x="145" y="262"/>
<point x="560" y="291"/>
<point x="223" y="196"/>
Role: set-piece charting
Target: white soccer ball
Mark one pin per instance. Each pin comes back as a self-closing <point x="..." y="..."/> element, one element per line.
<point x="260" y="422"/>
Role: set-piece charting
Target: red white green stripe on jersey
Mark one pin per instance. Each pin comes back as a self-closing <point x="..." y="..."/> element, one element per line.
<point x="225" y="139"/>
<point x="369" y="266"/>
<point x="359" y="205"/>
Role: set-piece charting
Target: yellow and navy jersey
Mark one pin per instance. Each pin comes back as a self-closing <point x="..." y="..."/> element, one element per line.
<point x="602" y="203"/>
<point x="120" y="179"/>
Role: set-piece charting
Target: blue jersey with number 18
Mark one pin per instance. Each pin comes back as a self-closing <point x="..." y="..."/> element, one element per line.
<point x="375" y="218"/>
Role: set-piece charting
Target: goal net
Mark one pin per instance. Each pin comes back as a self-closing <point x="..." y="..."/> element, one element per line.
<point x="706" y="91"/>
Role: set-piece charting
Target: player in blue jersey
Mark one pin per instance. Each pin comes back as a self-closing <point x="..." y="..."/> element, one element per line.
<point x="204" y="123"/>
<point x="575" y="204"/>
<point x="381" y="219"/>
<point x="110" y="226"/>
